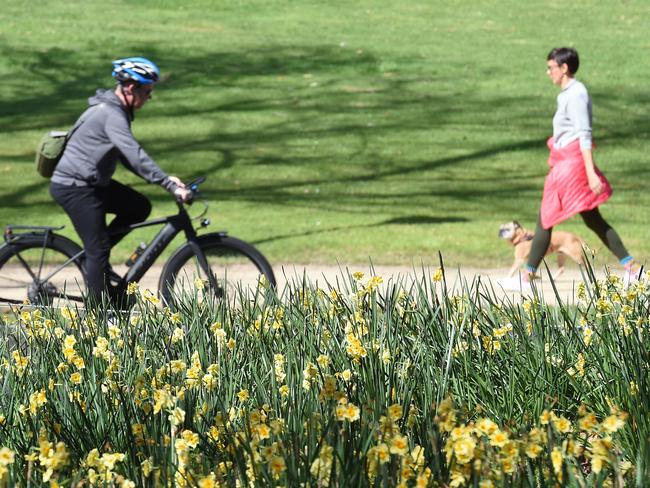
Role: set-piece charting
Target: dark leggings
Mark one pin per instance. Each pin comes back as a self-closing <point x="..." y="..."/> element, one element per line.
<point x="594" y="221"/>
<point x="87" y="208"/>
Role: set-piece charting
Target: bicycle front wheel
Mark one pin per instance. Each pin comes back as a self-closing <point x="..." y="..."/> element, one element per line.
<point x="234" y="265"/>
<point x="42" y="270"/>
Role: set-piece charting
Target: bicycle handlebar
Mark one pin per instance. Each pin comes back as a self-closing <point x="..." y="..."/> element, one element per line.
<point x="194" y="185"/>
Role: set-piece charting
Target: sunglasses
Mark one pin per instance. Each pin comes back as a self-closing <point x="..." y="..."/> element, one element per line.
<point x="145" y="90"/>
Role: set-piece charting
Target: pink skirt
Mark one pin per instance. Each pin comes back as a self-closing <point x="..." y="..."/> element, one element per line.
<point x="566" y="188"/>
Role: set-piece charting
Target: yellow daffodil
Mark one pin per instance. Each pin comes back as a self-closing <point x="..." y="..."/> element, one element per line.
<point x="613" y="423"/>
<point x="399" y="445"/>
<point x="395" y="412"/>
<point x="486" y="427"/>
<point x="557" y="459"/>
<point x="243" y="395"/>
<point x="437" y="275"/>
<point x="498" y="438"/>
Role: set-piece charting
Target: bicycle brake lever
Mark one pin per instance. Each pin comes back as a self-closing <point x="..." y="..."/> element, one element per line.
<point x="195" y="183"/>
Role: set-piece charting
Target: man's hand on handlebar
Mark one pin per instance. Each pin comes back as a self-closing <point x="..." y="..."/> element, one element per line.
<point x="176" y="180"/>
<point x="182" y="193"/>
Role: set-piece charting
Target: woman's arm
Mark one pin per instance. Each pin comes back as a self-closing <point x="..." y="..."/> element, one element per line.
<point x="594" y="180"/>
<point x="578" y="110"/>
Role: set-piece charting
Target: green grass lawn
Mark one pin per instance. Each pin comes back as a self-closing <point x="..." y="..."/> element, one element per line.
<point x="339" y="130"/>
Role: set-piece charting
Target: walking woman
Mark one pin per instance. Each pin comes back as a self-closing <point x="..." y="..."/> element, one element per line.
<point x="574" y="185"/>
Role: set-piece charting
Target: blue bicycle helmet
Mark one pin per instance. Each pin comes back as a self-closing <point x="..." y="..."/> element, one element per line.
<point x="140" y="70"/>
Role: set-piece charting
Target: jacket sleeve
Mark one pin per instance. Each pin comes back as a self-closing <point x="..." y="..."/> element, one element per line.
<point x="135" y="158"/>
<point x="578" y="112"/>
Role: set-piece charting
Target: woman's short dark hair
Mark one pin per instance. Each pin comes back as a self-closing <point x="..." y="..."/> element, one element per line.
<point x="565" y="55"/>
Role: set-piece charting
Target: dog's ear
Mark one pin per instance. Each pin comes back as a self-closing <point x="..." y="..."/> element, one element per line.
<point x="516" y="224"/>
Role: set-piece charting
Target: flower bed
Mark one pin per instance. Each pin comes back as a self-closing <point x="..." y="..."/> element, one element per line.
<point x="363" y="384"/>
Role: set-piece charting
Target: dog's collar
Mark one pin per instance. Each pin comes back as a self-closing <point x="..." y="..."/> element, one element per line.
<point x="528" y="236"/>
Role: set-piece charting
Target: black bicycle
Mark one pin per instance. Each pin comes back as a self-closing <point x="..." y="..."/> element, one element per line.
<point x="41" y="266"/>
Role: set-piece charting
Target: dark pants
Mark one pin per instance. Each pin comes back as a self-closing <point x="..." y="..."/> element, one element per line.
<point x="594" y="221"/>
<point x="87" y="208"/>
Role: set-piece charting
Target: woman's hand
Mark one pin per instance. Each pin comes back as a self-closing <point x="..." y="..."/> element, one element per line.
<point x="594" y="182"/>
<point x="590" y="168"/>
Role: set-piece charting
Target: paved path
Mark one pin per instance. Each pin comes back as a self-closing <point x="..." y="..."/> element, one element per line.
<point x="323" y="274"/>
<point x="565" y="283"/>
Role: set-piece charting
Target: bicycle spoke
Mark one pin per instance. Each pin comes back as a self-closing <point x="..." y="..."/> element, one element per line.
<point x="64" y="265"/>
<point x="25" y="265"/>
<point x="38" y="270"/>
<point x="72" y="298"/>
<point x="6" y="278"/>
<point x="234" y="273"/>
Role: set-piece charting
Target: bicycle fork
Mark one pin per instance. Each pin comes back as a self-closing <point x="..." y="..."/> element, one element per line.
<point x="203" y="262"/>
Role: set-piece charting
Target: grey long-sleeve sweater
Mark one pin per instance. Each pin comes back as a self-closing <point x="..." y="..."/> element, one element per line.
<point x="104" y="137"/>
<point x="572" y="119"/>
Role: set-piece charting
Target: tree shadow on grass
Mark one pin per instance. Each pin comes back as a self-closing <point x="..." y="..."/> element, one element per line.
<point x="423" y="220"/>
<point x="298" y="96"/>
<point x="351" y="91"/>
<point x="412" y="220"/>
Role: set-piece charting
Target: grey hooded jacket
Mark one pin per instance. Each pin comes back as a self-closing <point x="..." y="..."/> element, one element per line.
<point x="102" y="137"/>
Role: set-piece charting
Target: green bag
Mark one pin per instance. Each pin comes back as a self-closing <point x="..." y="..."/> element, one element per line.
<point x="52" y="145"/>
<point x="49" y="151"/>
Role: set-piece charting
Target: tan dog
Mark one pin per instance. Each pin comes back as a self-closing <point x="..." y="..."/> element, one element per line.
<point x="562" y="243"/>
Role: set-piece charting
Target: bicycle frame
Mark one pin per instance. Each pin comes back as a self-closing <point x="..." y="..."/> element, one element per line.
<point x="173" y="225"/>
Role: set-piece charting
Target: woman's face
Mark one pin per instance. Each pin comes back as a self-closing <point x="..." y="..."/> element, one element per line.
<point x="556" y="73"/>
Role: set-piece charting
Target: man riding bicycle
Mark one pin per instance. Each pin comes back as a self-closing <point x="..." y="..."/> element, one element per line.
<point x="82" y="181"/>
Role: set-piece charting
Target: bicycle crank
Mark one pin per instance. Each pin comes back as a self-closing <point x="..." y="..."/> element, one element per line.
<point x="41" y="293"/>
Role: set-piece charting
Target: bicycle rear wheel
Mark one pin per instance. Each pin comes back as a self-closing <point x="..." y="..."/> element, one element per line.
<point x="234" y="264"/>
<point x="45" y="271"/>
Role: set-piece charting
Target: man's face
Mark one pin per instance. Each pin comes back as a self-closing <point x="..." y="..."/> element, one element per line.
<point x="141" y="94"/>
<point x="136" y="95"/>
